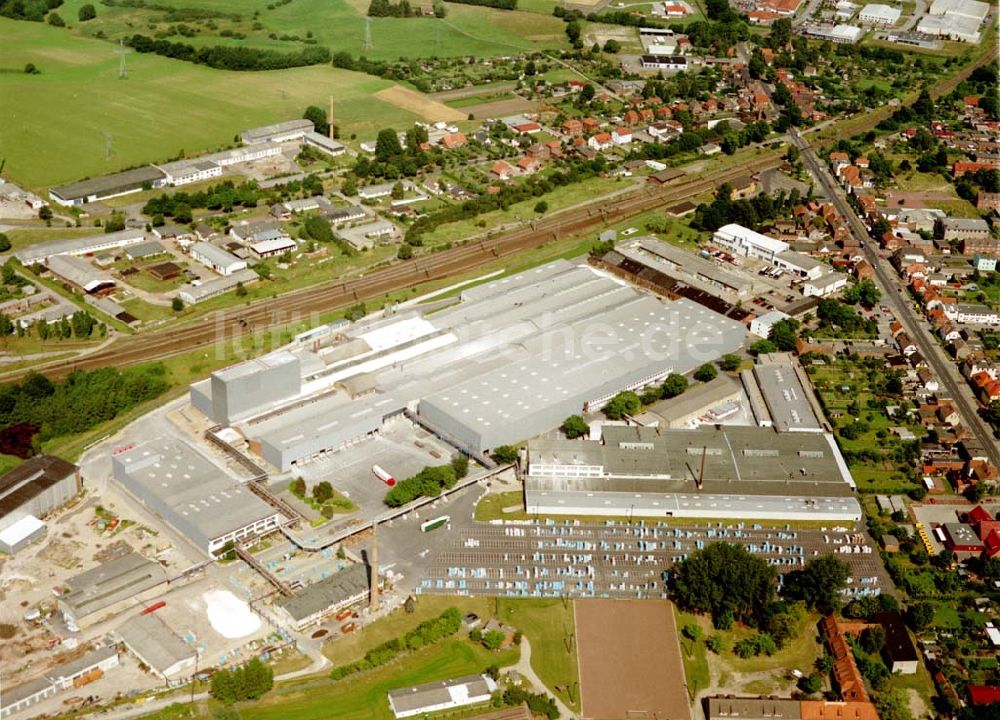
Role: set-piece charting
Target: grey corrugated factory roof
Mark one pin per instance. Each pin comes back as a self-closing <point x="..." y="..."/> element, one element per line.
<point x="436" y="693"/>
<point x="146" y="249"/>
<point x="154" y="642"/>
<point x="278" y="128"/>
<point x="738" y="460"/>
<point x="31" y="478"/>
<point x="327" y="593"/>
<point x="77" y="245"/>
<point x="108" y="183"/>
<point x="786" y="398"/>
<point x="111" y="582"/>
<point x="74" y="667"/>
<point x="214" y="255"/>
<point x="79" y="272"/>
<point x="16" y="694"/>
<point x="701" y="396"/>
<point x="193" y="494"/>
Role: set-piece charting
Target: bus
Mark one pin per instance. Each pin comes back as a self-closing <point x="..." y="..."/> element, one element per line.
<point x="435" y="523"/>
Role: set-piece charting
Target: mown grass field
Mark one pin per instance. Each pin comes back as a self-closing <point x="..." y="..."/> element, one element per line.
<point x="340" y="26"/>
<point x="52" y="125"/>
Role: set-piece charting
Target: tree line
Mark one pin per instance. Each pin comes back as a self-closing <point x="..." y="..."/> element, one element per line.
<point x="426" y="633"/>
<point x="82" y="401"/>
<point x="32" y="10"/>
<point x="225" y="57"/>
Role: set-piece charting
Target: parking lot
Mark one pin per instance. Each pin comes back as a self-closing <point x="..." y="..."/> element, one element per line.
<point x="622" y="560"/>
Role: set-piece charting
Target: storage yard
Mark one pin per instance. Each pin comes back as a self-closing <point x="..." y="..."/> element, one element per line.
<point x="624" y="560"/>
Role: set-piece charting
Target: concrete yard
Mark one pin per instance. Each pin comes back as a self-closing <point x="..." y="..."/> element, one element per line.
<point x="630" y="660"/>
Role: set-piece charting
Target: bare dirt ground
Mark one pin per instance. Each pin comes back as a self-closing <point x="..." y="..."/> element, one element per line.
<point x="474" y="91"/>
<point x="419" y="104"/>
<point x="630" y="661"/>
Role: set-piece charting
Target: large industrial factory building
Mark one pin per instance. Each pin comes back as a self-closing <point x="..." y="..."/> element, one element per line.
<point x="725" y="472"/>
<point x="508" y="361"/>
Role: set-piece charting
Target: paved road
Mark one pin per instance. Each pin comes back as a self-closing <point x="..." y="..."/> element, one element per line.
<point x="916" y="327"/>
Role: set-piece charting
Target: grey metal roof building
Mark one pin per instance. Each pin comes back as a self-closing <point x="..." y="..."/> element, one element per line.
<point x="110" y="587"/>
<point x="79" y="272"/>
<point x="786" y="396"/>
<point x="108" y="186"/>
<point x="22" y="697"/>
<point x="693" y="403"/>
<point x="328" y="596"/>
<point x="753" y="708"/>
<point x="435" y="696"/>
<point x="686" y="265"/>
<point x="511" y="360"/>
<point x="278" y="132"/>
<point x="192" y="294"/>
<point x="36" y="487"/>
<point x="727" y="472"/>
<point x="40" y="252"/>
<point x="627" y="345"/>
<point x="154" y="643"/>
<point x="197" y="498"/>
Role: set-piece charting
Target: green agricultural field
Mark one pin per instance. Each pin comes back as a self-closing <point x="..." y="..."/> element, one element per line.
<point x="164" y="106"/>
<point x="337" y="24"/>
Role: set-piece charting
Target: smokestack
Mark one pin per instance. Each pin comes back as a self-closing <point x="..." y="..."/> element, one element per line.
<point x="373" y="562"/>
<point x="329" y="119"/>
<point x="701" y="472"/>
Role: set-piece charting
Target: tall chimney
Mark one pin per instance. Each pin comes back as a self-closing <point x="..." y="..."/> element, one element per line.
<point x="373" y="563"/>
<point x="329" y="119"/>
<point x="701" y="472"/>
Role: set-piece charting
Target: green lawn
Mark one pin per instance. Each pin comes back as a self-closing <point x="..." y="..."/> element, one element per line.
<point x="548" y="623"/>
<point x="363" y="696"/>
<point x="694" y="655"/>
<point x="8" y="463"/>
<point x="164" y="106"/>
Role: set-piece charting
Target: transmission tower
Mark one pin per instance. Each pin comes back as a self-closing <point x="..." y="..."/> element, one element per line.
<point x="368" y="33"/>
<point x="122" y="70"/>
<point x="107" y="145"/>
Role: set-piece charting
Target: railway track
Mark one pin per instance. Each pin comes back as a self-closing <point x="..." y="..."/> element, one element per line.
<point x="225" y="325"/>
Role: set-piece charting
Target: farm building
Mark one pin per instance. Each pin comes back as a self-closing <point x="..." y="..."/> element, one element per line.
<point x="194" y="496"/>
<point x="159" y="647"/>
<point x="111" y="587"/>
<point x="165" y="271"/>
<point x="41" y="252"/>
<point x="721" y="472"/>
<point x="108" y="186"/>
<point x="318" y="601"/>
<point x="663" y="62"/>
<point x="31" y="491"/>
<point x="272" y="247"/>
<point x="442" y="695"/>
